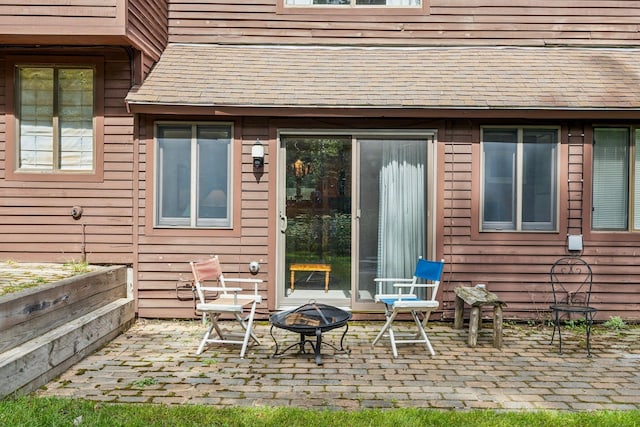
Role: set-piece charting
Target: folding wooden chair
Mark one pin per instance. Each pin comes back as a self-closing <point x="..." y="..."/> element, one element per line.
<point x="215" y="301"/>
<point x="427" y="276"/>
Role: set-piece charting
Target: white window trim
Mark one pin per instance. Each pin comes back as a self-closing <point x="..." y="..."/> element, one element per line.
<point x="519" y="171"/>
<point x="193" y="214"/>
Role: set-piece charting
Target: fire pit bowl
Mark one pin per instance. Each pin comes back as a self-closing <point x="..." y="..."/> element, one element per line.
<point x="310" y="320"/>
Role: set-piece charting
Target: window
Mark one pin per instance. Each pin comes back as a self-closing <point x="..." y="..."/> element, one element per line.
<point x="193" y="180"/>
<point x="55" y="119"/>
<point x="354" y="3"/>
<point x="519" y="179"/>
<point x="616" y="180"/>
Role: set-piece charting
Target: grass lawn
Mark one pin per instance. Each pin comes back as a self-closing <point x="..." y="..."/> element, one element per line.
<point x="34" y="411"/>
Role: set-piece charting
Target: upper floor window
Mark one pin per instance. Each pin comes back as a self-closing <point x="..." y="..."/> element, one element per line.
<point x="519" y="179"/>
<point x="352" y="3"/>
<point x="616" y="180"/>
<point x="55" y="118"/>
<point x="193" y="175"/>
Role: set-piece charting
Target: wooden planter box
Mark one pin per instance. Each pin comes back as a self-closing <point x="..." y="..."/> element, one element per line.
<point x="45" y="330"/>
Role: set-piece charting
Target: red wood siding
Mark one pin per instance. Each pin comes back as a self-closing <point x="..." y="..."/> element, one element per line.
<point x="148" y="26"/>
<point x="517" y="268"/>
<point x="459" y="22"/>
<point x="35" y="218"/>
<point x="514" y="265"/>
<point x="82" y="16"/>
<point x="164" y="254"/>
<point x="139" y="23"/>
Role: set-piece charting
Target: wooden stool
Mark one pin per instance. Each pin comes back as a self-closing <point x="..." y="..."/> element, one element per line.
<point x="326" y="268"/>
<point x="477" y="297"/>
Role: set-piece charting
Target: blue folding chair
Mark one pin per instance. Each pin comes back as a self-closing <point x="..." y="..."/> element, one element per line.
<point x="401" y="296"/>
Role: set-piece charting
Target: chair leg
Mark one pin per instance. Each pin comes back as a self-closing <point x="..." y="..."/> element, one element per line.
<point x="248" y="325"/>
<point x="422" y="332"/>
<point x="588" y="317"/>
<point x="392" y="337"/>
<point x="244" y="322"/>
<point x="214" y="324"/>
<point x="206" y="336"/>
<point x="384" y="328"/>
<point x="387" y="327"/>
<point x="556" y="326"/>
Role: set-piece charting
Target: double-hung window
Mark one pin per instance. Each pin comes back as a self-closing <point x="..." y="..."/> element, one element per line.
<point x="193" y="175"/>
<point x="519" y="179"/>
<point x="55" y="118"/>
<point x="616" y="180"/>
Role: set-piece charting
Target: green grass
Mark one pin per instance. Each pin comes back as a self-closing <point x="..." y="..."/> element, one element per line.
<point x="34" y="412"/>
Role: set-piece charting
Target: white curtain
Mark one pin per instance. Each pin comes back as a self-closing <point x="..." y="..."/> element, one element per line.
<point x="402" y="209"/>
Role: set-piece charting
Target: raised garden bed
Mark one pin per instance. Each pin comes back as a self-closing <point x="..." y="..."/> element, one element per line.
<point x="47" y="328"/>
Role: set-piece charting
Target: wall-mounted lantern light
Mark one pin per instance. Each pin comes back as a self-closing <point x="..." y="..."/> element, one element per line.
<point x="257" y="152"/>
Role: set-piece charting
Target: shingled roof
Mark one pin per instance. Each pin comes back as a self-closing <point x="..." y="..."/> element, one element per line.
<point x="392" y="78"/>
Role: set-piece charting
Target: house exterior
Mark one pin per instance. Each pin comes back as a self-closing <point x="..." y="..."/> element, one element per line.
<point x="498" y="136"/>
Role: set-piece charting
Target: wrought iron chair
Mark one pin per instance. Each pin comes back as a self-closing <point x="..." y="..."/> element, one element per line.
<point x="427" y="276"/>
<point x="215" y="301"/>
<point x="571" y="283"/>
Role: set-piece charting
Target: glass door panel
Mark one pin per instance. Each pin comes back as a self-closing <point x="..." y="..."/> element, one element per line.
<point x="392" y="210"/>
<point x="317" y="222"/>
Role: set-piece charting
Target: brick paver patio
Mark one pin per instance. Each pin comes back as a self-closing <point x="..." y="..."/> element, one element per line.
<point x="155" y="362"/>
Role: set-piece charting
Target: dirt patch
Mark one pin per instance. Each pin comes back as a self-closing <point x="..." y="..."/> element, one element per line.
<point x="16" y="276"/>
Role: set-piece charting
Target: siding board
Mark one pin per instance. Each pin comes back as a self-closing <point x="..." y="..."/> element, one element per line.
<point x="463" y="22"/>
<point x="35" y="219"/>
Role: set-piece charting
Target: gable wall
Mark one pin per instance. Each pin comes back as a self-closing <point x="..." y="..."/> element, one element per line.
<point x="459" y="23"/>
<point x="148" y="26"/>
<point x="35" y="216"/>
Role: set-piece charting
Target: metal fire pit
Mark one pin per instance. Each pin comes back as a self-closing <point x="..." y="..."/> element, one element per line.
<point x="311" y="320"/>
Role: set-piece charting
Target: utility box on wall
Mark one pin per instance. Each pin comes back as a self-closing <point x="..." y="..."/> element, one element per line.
<point x="574" y="242"/>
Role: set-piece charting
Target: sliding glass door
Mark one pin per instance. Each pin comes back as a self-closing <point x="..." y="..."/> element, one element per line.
<point x="352" y="208"/>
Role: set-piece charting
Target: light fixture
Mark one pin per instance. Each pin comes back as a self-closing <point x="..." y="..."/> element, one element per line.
<point x="300" y="168"/>
<point x="257" y="152"/>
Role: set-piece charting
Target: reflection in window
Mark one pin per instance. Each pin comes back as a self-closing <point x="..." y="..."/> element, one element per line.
<point x="56" y="110"/>
<point x="193" y="177"/>
<point x="519" y="185"/>
<point x="616" y="188"/>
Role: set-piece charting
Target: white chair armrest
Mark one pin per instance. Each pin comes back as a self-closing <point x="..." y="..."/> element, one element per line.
<point x="242" y="280"/>
<point x="415" y="285"/>
<point x="383" y="280"/>
<point x="223" y="290"/>
<point x="220" y="289"/>
<point x="255" y="282"/>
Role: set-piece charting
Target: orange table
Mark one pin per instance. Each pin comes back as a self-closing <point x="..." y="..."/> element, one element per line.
<point x="310" y="267"/>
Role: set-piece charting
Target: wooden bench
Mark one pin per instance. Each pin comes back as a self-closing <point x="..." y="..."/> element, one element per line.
<point x="477" y="297"/>
<point x="326" y="268"/>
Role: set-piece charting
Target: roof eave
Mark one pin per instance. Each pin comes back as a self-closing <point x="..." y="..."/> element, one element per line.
<point x="157" y="108"/>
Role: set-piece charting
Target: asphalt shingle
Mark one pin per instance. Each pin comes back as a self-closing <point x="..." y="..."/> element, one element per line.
<point x="425" y="78"/>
